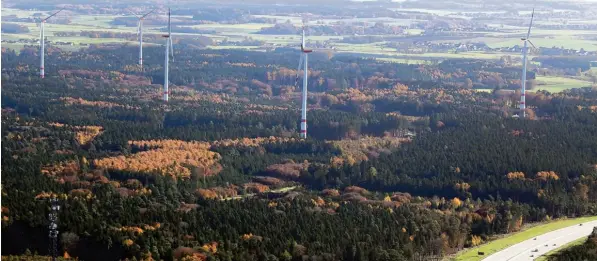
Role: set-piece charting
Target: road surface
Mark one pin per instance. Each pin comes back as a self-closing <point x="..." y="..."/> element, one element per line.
<point x="525" y="249"/>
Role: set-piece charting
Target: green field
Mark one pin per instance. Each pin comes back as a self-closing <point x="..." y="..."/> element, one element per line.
<point x="558" y="84"/>
<point x="499" y="244"/>
<point x="577" y="242"/>
<point x="507" y="36"/>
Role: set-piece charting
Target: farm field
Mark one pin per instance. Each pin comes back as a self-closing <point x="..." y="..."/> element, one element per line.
<point x="508" y="36"/>
<point x="558" y="84"/>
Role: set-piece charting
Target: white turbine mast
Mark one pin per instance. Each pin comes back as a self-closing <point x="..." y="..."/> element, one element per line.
<point x="140" y="33"/>
<point x="304" y="59"/>
<point x="169" y="49"/>
<point x="523" y="82"/>
<point x="42" y="44"/>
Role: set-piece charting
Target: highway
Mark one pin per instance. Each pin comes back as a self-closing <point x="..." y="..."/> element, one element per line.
<point x="525" y="250"/>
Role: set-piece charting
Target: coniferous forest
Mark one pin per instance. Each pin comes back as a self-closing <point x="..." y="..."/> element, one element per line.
<point x="402" y="162"/>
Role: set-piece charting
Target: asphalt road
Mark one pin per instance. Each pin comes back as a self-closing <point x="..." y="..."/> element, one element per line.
<point x="524" y="250"/>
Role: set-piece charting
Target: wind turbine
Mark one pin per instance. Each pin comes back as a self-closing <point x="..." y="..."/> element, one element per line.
<point x="42" y="41"/>
<point x="523" y="82"/>
<point x="168" y="49"/>
<point x="304" y="58"/>
<point x="140" y="33"/>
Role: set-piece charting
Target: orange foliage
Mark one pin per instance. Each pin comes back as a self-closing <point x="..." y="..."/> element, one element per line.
<point x="330" y="192"/>
<point x="46" y="195"/>
<point x="152" y="227"/>
<point x="134" y="230"/>
<point x="253" y="187"/>
<point x="101" y="104"/>
<point x="169" y="158"/>
<point x="476" y="240"/>
<point x="515" y="175"/>
<point x="355" y="189"/>
<point x="222" y="192"/>
<point x="545" y="175"/>
<point x="85" y="134"/>
<point x="292" y="170"/>
<point x="255" y="142"/>
<point x="387" y="198"/>
<point x="81" y="193"/>
<point x="68" y="168"/>
<point x="319" y="202"/>
<point x="456" y="202"/>
<point x="210" y="247"/>
<point x="187" y="253"/>
<point x="401" y="197"/>
<point x="247" y="236"/>
<point x="354" y="151"/>
<point x="195" y="257"/>
<point x="462" y="186"/>
<point x="207" y="193"/>
<point x="334" y="205"/>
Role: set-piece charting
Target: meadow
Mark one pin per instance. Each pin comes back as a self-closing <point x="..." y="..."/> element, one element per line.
<point x="558" y="84"/>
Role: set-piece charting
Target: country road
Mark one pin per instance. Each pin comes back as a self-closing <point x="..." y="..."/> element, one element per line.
<point x="543" y="243"/>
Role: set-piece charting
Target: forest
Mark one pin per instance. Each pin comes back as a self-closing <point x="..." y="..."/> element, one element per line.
<point x="402" y="162"/>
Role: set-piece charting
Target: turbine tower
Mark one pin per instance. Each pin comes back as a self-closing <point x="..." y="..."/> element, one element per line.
<point x="42" y="44"/>
<point x="140" y="33"/>
<point x="304" y="58"/>
<point x="523" y="82"/>
<point x="168" y="49"/>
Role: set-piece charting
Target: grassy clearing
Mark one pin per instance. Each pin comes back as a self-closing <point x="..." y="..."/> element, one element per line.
<point x="502" y="243"/>
<point x="228" y="47"/>
<point x="577" y="242"/>
<point x="557" y="84"/>
<point x="406" y="61"/>
<point x="484" y="90"/>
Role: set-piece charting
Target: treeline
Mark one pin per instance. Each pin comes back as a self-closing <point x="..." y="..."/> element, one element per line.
<point x="329" y="71"/>
<point x="12" y="28"/>
<point x="107" y="34"/>
<point x="337" y="29"/>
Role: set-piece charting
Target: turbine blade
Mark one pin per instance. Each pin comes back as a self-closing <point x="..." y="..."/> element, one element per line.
<point x="169" y="24"/>
<point x="147" y="14"/>
<point x="54" y="14"/>
<point x="298" y="71"/>
<point x="303" y="39"/>
<point x="171" y="47"/>
<point x="532" y="44"/>
<point x="531" y="24"/>
<point x="133" y="13"/>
